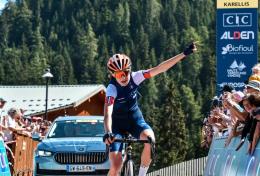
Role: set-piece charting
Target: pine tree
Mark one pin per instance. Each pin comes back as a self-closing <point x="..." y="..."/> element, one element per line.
<point x="193" y="118"/>
<point x="2" y="73"/>
<point x="12" y="66"/>
<point x="151" y="13"/>
<point x="121" y="23"/>
<point x="22" y="25"/>
<point x="88" y="51"/>
<point x="183" y="15"/>
<point x="58" y="69"/>
<point x="142" y="50"/>
<point x="3" y="32"/>
<point x="168" y="17"/>
<point x="69" y="77"/>
<point x="172" y="131"/>
<point x="38" y="61"/>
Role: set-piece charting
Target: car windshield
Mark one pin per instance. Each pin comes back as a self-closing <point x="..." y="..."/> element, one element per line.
<point x="77" y="128"/>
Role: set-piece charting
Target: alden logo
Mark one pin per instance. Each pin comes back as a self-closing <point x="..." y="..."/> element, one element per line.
<point x="237" y="19"/>
<point x="240" y="49"/>
<point x="237" y="35"/>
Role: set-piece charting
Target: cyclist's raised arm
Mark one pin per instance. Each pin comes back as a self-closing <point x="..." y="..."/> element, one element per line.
<point x="165" y="65"/>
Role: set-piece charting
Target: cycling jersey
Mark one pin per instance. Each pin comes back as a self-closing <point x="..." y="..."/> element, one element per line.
<point x="126" y="116"/>
<point x="125" y="96"/>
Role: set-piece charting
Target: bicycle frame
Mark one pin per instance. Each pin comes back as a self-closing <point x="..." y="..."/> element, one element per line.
<point x="128" y="163"/>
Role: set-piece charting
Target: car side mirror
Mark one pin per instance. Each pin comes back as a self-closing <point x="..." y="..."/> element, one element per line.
<point x="36" y="137"/>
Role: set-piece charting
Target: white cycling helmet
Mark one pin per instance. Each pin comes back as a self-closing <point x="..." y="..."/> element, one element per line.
<point x="118" y="62"/>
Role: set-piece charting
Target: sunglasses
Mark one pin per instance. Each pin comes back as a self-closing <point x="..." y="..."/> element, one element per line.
<point x="120" y="74"/>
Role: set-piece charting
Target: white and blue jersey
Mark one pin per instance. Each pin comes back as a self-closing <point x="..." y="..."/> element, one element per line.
<point x="125" y="96"/>
<point x="126" y="116"/>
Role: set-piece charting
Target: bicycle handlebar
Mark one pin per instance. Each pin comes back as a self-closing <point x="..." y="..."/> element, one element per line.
<point x="132" y="140"/>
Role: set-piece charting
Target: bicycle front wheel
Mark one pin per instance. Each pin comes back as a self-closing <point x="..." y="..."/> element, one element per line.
<point x="128" y="168"/>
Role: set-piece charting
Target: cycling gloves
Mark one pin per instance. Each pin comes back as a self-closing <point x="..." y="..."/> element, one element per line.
<point x="107" y="136"/>
<point x="189" y="49"/>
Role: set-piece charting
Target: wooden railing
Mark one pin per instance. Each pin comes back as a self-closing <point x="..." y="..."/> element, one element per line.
<point x="23" y="149"/>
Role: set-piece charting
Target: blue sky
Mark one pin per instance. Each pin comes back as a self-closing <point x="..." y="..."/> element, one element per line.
<point x="2" y="4"/>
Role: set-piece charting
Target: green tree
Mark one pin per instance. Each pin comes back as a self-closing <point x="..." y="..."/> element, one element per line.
<point x="68" y="70"/>
<point x="193" y="118"/>
<point x="22" y="25"/>
<point x="12" y="66"/>
<point x="58" y="69"/>
<point x="88" y="52"/>
<point x="172" y="132"/>
<point x="121" y="23"/>
<point x="183" y="15"/>
<point x="38" y="60"/>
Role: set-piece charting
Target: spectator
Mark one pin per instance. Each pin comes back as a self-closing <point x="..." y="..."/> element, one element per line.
<point x="36" y="124"/>
<point x="2" y="104"/>
<point x="207" y="134"/>
<point x="11" y="124"/>
<point x="256" y="69"/>
<point x="237" y="109"/>
<point x="254" y="104"/>
<point x="253" y="86"/>
<point x="243" y="115"/>
<point x="254" y="77"/>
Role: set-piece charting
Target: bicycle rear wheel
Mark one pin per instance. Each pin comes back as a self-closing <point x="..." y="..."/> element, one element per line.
<point x="128" y="169"/>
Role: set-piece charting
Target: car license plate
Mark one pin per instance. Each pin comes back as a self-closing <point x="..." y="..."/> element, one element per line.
<point x="80" y="168"/>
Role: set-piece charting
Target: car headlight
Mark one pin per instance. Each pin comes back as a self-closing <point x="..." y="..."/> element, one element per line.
<point x="43" y="153"/>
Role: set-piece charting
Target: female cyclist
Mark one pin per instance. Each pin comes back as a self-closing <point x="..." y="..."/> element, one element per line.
<point x="121" y="111"/>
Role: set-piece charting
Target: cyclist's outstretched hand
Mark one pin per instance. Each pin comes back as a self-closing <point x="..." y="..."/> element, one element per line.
<point x="108" y="138"/>
<point x="190" y="49"/>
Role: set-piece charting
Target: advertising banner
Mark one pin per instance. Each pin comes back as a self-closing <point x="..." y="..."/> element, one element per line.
<point x="227" y="161"/>
<point x="4" y="169"/>
<point x="236" y="47"/>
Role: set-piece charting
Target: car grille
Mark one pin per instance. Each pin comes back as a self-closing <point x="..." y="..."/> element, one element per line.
<point x="82" y="158"/>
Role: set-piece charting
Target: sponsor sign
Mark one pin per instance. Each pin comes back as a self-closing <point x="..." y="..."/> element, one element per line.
<point x="237" y="19"/>
<point x="235" y="70"/>
<point x="236" y="47"/>
<point x="238" y="35"/>
<point x="226" y="161"/>
<point x="236" y="4"/>
<point x="4" y="167"/>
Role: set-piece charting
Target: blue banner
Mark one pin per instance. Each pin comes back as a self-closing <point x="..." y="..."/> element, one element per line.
<point x="4" y="167"/>
<point x="237" y="30"/>
<point x="226" y="161"/>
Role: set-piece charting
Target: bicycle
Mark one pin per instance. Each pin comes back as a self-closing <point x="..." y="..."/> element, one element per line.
<point x="128" y="163"/>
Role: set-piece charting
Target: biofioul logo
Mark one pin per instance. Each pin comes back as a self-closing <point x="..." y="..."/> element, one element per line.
<point x="240" y="49"/>
<point x="235" y="70"/>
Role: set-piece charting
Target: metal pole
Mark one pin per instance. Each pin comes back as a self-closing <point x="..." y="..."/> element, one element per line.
<point x="46" y="100"/>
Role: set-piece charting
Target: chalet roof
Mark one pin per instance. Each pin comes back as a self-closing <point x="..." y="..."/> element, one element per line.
<point x="32" y="98"/>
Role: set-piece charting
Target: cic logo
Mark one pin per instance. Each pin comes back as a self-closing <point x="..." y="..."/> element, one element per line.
<point x="237" y="19"/>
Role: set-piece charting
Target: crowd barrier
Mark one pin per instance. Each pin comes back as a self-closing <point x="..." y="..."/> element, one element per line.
<point x="193" y="167"/>
<point x="5" y="170"/>
<point x="23" y="149"/>
<point x="225" y="161"/>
